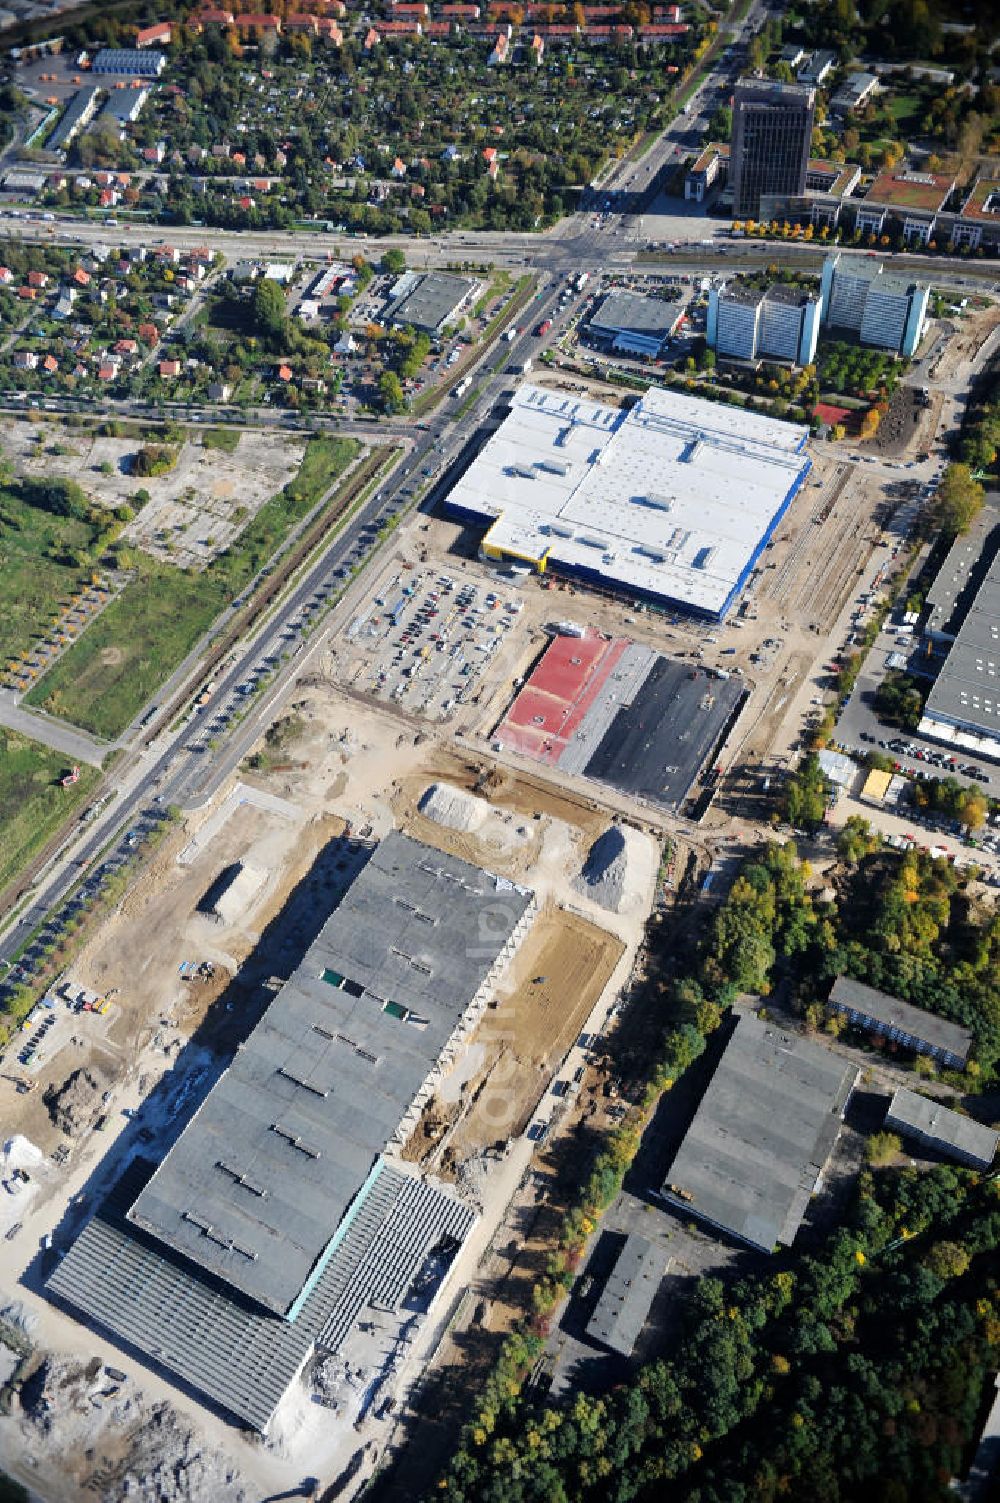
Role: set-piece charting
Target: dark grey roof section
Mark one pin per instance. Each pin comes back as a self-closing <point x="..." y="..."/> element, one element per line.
<point x="966" y="692"/>
<point x="76" y="114"/>
<point x="624" y="1305"/>
<point x="791" y="296"/>
<point x="765" y="1127"/>
<point x="234" y="1354"/>
<point x="959" y="577"/>
<point x="742" y="292"/>
<point x="902" y="1017"/>
<point x="123" y="104"/>
<point x="938" y="1125"/>
<point x="430" y="302"/>
<point x="260" y="1179"/>
<point x="631" y="313"/>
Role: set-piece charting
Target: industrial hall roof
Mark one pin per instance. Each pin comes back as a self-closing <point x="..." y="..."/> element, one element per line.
<point x="256" y="1187"/>
<point x="764" y="1130"/>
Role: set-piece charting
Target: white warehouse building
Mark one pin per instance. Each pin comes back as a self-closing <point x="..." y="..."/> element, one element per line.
<point x="671" y="502"/>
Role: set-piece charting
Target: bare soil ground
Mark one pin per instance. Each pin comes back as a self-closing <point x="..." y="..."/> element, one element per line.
<point x="194" y="511"/>
<point x="559" y="973"/>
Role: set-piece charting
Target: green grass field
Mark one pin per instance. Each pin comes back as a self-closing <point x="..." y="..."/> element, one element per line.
<point x="120" y="661"/>
<point x="226" y="439"/>
<point x="37" y="572"/>
<point x="32" y="804"/>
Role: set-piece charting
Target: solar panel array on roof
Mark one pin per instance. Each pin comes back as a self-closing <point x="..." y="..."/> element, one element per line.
<point x="258" y="1182"/>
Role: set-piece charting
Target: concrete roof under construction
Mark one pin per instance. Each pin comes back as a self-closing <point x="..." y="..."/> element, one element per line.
<point x="673" y="499"/>
<point x="255" y="1189"/>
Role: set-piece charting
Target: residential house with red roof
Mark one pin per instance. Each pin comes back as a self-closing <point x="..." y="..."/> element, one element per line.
<point x="154" y="36"/>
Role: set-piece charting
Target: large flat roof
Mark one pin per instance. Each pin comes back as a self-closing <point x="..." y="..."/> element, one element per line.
<point x="924" y="191"/>
<point x="949" y="1129"/>
<point x="631" y="313"/>
<point x="895" y="1013"/>
<point x="966" y="692"/>
<point x="959" y="575"/>
<point x="624" y="1305"/>
<point x="674" y="498"/>
<point x="257" y="1185"/>
<point x="428" y="302"/>
<point x="764" y="1130"/>
<point x="619" y="712"/>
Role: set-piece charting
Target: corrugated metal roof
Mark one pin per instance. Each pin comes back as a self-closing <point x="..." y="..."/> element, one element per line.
<point x="238" y="1356"/>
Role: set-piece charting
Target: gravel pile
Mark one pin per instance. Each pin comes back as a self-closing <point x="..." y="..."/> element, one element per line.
<point x="617" y="871"/>
<point x="115" y="1445"/>
<point x="73" y="1105"/>
<point x="454" y="808"/>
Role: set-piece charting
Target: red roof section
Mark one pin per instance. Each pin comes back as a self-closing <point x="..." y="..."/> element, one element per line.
<point x="549" y="709"/>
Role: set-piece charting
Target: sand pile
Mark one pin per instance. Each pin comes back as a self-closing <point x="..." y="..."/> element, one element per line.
<point x="619" y="869"/>
<point x="454" y="808"/>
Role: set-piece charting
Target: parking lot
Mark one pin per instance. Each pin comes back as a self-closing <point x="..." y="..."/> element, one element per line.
<point x="126" y="847"/>
<point x="56" y="1020"/>
<point x="913" y="760"/>
<point x="426" y="639"/>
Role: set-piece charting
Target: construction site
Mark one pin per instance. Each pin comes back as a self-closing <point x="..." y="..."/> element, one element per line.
<point x="471" y="710"/>
<point x="192" y="960"/>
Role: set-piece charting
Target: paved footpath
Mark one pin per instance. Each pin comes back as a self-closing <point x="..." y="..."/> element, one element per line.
<point x="76" y="745"/>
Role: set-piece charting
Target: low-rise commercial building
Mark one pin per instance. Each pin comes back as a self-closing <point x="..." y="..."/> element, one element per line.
<point x="137" y="62"/>
<point x="940" y="1128"/>
<point x="963" y="707"/>
<point x="625" y="1301"/>
<point x="636" y="325"/>
<point x="960" y="577"/>
<point x="671" y="501"/>
<point x="817" y="68"/>
<point x="891" y="1018"/>
<point x="123" y="107"/>
<point x="760" y="1139"/>
<point x="855" y="91"/>
<point x="428" y="302"/>
<point x="78" y="113"/>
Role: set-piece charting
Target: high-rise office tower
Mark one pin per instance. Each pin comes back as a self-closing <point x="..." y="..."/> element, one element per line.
<point x="772" y="132"/>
